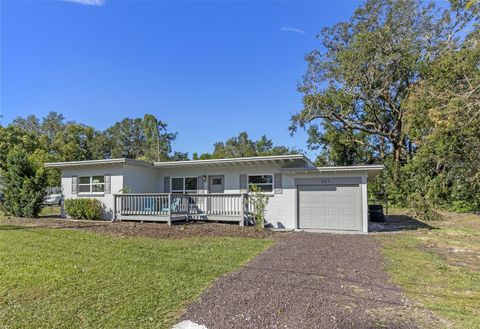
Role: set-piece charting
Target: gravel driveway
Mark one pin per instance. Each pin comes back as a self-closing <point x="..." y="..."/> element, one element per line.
<point x="308" y="280"/>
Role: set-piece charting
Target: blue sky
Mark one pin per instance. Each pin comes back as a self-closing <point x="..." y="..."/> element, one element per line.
<point x="208" y="69"/>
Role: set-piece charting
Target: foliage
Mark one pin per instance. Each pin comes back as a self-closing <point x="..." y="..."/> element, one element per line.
<point x="443" y="118"/>
<point x="421" y="209"/>
<point x="125" y="189"/>
<point x="398" y="84"/>
<point x="52" y="139"/>
<point x="24" y="185"/>
<point x="83" y="208"/>
<point x="361" y="80"/>
<point x="106" y="281"/>
<point x="260" y="202"/>
<point x="157" y="139"/>
<point x="338" y="147"/>
<point x="243" y="146"/>
<point x="14" y="136"/>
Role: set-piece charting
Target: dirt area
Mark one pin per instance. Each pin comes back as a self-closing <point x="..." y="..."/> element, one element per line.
<point x="153" y="230"/>
<point x="310" y="280"/>
<point x="397" y="222"/>
<point x="455" y="238"/>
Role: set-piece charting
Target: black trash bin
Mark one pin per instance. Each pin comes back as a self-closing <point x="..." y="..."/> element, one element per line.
<point x="376" y="213"/>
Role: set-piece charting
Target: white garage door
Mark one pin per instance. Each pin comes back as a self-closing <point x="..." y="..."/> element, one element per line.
<point x="329" y="207"/>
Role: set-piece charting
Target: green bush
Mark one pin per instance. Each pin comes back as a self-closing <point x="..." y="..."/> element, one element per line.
<point x="24" y="185"/>
<point x="421" y="209"/>
<point x="83" y="208"/>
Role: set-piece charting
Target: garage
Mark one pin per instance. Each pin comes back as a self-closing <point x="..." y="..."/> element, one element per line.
<point x="330" y="207"/>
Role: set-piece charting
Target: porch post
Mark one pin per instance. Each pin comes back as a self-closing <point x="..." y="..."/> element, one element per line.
<point x="242" y="211"/>
<point x="169" y="209"/>
<point x="114" y="216"/>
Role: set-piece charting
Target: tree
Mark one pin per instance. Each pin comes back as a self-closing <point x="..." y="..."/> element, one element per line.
<point x="29" y="124"/>
<point x="157" y="139"/>
<point x="24" y="185"/>
<point x="52" y="124"/>
<point x="443" y="118"/>
<point x="340" y="148"/>
<point x="76" y="142"/>
<point x="243" y="146"/>
<point x="14" y="136"/>
<point x="178" y="156"/>
<point x="370" y="64"/>
<point x="126" y="139"/>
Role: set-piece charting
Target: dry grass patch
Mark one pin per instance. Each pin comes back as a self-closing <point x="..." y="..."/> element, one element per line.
<point x="439" y="267"/>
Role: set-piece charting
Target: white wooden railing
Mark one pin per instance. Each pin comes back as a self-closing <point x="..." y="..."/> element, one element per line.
<point x="194" y="206"/>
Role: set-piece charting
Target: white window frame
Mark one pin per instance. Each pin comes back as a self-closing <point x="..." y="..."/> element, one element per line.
<point x="183" y="184"/>
<point x="90" y="184"/>
<point x="273" y="182"/>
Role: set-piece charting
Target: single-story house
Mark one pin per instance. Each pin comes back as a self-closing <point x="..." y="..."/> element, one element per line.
<point x="301" y="195"/>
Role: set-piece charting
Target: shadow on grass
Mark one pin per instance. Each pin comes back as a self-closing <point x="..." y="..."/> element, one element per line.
<point x="398" y="223"/>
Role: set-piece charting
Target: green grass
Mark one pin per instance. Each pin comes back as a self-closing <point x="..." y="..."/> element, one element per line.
<point x="56" y="278"/>
<point x="439" y="268"/>
<point x="50" y="211"/>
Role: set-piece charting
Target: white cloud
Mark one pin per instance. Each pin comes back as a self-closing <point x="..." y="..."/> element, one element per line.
<point x="88" y="2"/>
<point x="292" y="29"/>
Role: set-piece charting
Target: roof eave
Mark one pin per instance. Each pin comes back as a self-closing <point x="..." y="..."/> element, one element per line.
<point x="280" y="160"/>
<point x="84" y="163"/>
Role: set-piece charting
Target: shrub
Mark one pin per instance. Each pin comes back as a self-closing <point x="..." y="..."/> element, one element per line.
<point x="24" y="185"/>
<point x="421" y="209"/>
<point x="260" y="202"/>
<point x="83" y="208"/>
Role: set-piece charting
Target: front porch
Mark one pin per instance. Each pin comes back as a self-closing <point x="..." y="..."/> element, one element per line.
<point x="171" y="207"/>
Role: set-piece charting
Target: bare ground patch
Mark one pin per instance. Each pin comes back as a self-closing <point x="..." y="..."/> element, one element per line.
<point x="153" y="230"/>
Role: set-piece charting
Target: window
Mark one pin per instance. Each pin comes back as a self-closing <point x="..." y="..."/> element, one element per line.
<point x="184" y="185"/>
<point x="264" y="182"/>
<point x="91" y="184"/>
<point x="216" y="181"/>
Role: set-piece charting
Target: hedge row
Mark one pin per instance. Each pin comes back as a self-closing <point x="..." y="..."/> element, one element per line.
<point x="83" y="208"/>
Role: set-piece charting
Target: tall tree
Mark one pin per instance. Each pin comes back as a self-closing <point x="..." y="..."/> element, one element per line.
<point x="341" y="148"/>
<point x="242" y="146"/>
<point x="443" y="118"/>
<point x="157" y="139"/>
<point x="76" y="142"/>
<point x="369" y="66"/>
<point x="52" y="124"/>
<point x="127" y="139"/>
<point x="31" y="124"/>
<point x="12" y="136"/>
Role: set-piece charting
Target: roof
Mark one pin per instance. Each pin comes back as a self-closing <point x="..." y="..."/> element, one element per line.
<point x="97" y="162"/>
<point x="371" y="170"/>
<point x="293" y="163"/>
<point x="284" y="160"/>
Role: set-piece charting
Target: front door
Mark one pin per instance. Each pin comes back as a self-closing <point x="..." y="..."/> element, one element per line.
<point x="217" y="184"/>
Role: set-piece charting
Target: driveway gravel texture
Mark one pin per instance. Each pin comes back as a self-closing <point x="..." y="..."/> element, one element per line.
<point x="310" y="280"/>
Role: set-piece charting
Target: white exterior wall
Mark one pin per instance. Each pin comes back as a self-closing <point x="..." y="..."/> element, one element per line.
<point x="140" y="179"/>
<point x="116" y="172"/>
<point x="281" y="210"/>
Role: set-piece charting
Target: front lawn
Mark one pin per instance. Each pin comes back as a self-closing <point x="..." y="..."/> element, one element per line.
<point x="65" y="278"/>
<point x="440" y="267"/>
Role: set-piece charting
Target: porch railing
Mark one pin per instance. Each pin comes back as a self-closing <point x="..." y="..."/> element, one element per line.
<point x="191" y="206"/>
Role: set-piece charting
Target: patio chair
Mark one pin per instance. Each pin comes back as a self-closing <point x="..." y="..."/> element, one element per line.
<point x="149" y="204"/>
<point x="174" y="206"/>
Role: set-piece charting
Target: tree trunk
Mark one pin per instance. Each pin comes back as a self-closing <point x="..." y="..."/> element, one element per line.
<point x="158" y="148"/>
<point x="396" y="163"/>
